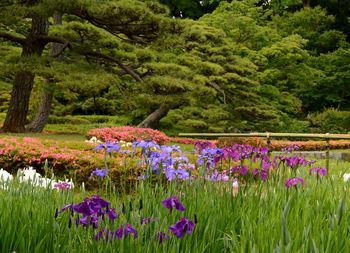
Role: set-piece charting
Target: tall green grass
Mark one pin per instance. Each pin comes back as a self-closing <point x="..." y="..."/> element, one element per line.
<point x="260" y="217"/>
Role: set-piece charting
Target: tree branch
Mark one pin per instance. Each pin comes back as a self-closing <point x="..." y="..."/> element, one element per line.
<point x="54" y="39"/>
<point x="13" y="38"/>
<point x="61" y="50"/>
<point x="218" y="88"/>
<point x="59" y="40"/>
<point x="126" y="68"/>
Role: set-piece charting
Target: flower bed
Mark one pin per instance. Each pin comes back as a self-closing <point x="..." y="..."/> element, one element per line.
<point x="70" y="159"/>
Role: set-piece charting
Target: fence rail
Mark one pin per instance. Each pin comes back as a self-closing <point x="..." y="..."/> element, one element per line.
<point x="268" y="136"/>
<point x="326" y="136"/>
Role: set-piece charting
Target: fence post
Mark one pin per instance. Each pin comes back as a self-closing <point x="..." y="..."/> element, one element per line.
<point x="268" y="141"/>
<point x="327" y="152"/>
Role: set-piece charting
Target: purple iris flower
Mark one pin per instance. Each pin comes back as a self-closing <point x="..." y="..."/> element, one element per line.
<point x="263" y="175"/>
<point x="125" y="230"/>
<point x="104" y="234"/>
<point x="173" y="202"/>
<point x="169" y="149"/>
<point x="99" y="172"/>
<point x="296" y="161"/>
<point x="108" y="146"/>
<point x="180" y="173"/>
<point x="319" y="171"/>
<point x="243" y="170"/>
<point x="112" y="215"/>
<point x="91" y="209"/>
<point x="290" y="148"/>
<point x="161" y="237"/>
<point x="294" y="182"/>
<point x="255" y="172"/>
<point x="200" y="145"/>
<point x="145" y="145"/>
<point x="181" y="227"/>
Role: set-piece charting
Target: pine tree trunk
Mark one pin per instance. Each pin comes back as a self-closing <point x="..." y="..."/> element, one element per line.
<point x="23" y="82"/>
<point x="16" y="115"/>
<point x="306" y="3"/>
<point x="40" y="119"/>
<point x="42" y="115"/>
<point x="152" y="120"/>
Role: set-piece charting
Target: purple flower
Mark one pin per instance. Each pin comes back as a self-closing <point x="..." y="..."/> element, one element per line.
<point x="255" y="172"/>
<point x="180" y="173"/>
<point x="145" y="145"/>
<point x="104" y="234"/>
<point x="125" y="230"/>
<point x="243" y="170"/>
<point x="173" y="202"/>
<point x="161" y="237"/>
<point x="290" y="148"/>
<point x="92" y="209"/>
<point x="109" y="147"/>
<point x="181" y="227"/>
<point x="169" y="149"/>
<point x="112" y="215"/>
<point x="294" y="182"/>
<point x="263" y="175"/>
<point x="295" y="161"/>
<point x="99" y="172"/>
<point x="319" y="171"/>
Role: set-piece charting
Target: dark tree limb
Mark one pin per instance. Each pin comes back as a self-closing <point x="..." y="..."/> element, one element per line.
<point x="54" y="39"/>
<point x="152" y="120"/>
<point x="124" y="67"/>
<point x="13" y="38"/>
<point x="221" y="90"/>
<point x="61" y="50"/>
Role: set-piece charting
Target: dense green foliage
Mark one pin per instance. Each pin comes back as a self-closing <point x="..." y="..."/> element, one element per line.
<point x="230" y="66"/>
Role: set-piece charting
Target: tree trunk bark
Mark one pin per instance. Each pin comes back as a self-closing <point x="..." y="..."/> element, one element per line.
<point x="152" y="120"/>
<point x="42" y="115"/>
<point x="40" y="119"/>
<point x="23" y="82"/>
<point x="306" y="3"/>
<point x="18" y="108"/>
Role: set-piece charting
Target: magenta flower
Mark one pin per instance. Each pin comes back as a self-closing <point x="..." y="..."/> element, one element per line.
<point x="181" y="227"/>
<point x="294" y="182"/>
<point x="62" y="186"/>
<point x="173" y="202"/>
<point x="319" y="171"/>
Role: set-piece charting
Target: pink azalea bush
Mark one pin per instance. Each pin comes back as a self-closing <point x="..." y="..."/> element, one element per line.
<point x="128" y="134"/>
<point x="72" y="159"/>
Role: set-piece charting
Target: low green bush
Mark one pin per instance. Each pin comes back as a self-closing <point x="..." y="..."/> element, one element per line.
<point x="331" y="121"/>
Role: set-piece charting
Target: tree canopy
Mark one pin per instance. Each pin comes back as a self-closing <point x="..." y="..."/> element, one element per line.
<point x="179" y="65"/>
